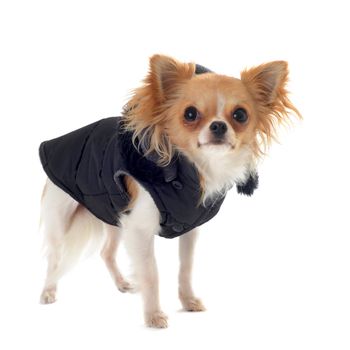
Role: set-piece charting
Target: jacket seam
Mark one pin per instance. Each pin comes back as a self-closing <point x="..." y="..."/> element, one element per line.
<point x="82" y="152"/>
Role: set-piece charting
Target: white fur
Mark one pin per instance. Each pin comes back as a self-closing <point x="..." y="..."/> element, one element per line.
<point x="139" y="228"/>
<point x="220" y="110"/>
<point x="222" y="167"/>
<point x="64" y="240"/>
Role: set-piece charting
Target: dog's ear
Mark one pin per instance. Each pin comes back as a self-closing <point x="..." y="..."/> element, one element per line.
<point x="267" y="85"/>
<point x="266" y="82"/>
<point x="166" y="74"/>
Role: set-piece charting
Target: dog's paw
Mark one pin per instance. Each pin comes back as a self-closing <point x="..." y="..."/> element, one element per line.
<point x="156" y="319"/>
<point x="126" y="287"/>
<point x="48" y="296"/>
<point x="192" y="304"/>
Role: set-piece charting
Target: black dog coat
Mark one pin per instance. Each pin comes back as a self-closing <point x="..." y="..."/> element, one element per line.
<point x="90" y="164"/>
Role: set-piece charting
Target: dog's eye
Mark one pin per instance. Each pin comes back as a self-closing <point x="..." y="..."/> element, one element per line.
<point x="240" y="115"/>
<point x="191" y="114"/>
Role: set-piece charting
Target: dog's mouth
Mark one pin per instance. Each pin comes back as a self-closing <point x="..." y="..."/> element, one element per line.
<point x="216" y="143"/>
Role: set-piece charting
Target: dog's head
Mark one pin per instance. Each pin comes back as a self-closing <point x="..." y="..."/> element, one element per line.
<point x="211" y="118"/>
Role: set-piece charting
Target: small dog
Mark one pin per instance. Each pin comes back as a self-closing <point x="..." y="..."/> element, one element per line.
<point x="185" y="137"/>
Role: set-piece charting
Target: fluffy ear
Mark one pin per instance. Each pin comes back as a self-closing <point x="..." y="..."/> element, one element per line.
<point x="267" y="85"/>
<point x="166" y="74"/>
<point x="266" y="81"/>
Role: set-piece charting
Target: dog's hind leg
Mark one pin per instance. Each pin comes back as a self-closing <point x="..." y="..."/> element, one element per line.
<point x="57" y="213"/>
<point x="54" y="257"/>
<point x="108" y="254"/>
<point x="69" y="229"/>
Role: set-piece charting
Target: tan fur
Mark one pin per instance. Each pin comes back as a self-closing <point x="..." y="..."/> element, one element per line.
<point x="131" y="187"/>
<point x="74" y="215"/>
<point x="43" y="192"/>
<point x="271" y="100"/>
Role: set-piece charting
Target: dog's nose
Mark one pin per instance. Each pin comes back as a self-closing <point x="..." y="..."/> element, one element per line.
<point x="218" y="128"/>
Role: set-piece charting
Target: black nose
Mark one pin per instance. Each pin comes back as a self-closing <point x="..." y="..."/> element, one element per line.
<point x="218" y="128"/>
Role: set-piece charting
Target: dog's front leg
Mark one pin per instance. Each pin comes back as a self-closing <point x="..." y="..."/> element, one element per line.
<point x="140" y="247"/>
<point x="186" y="251"/>
<point x="139" y="228"/>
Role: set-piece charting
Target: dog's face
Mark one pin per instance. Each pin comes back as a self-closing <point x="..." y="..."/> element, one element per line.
<point x="213" y="116"/>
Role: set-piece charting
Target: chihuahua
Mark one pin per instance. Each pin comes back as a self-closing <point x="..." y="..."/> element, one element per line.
<point x="185" y="137"/>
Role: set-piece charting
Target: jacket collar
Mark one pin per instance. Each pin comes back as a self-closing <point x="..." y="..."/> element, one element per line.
<point x="201" y="69"/>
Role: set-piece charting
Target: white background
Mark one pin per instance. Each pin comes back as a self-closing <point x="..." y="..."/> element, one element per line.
<point x="273" y="270"/>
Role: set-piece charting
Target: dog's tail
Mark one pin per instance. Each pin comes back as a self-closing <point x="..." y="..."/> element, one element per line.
<point x="70" y="231"/>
